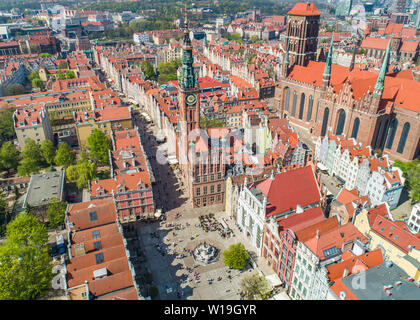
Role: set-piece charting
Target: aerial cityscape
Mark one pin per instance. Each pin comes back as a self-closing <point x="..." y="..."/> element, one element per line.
<point x="209" y="150"/>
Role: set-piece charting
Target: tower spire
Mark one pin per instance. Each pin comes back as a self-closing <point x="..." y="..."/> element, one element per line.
<point x="379" y="87"/>
<point x="186" y="17"/>
<point x="353" y="59"/>
<point x="326" y="76"/>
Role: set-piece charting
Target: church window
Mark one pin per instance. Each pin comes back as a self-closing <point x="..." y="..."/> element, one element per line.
<point x="403" y="139"/>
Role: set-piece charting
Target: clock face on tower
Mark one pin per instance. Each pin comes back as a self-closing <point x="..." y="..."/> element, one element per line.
<point x="191" y="99"/>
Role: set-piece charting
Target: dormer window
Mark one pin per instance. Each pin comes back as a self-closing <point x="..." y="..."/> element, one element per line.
<point x="93" y="216"/>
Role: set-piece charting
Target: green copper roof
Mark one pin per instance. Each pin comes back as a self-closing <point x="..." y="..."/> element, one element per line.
<point x="327" y="70"/>
<point x="188" y="79"/>
<point x="380" y="83"/>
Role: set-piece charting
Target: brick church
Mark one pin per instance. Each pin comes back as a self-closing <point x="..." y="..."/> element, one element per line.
<point x="380" y="110"/>
<point x="200" y="154"/>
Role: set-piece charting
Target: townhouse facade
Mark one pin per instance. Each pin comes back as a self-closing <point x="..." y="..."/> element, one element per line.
<point x="32" y="123"/>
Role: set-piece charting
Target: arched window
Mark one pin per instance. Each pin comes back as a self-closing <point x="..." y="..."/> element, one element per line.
<point x="325" y="122"/>
<point x="286" y="99"/>
<point x="355" y="128"/>
<point x="377" y="135"/>
<point x="294" y="104"/>
<point x="341" y="121"/>
<point x="384" y="134"/>
<point x="403" y="139"/>
<point x="310" y="104"/>
<point x="302" y="105"/>
<point x="391" y="135"/>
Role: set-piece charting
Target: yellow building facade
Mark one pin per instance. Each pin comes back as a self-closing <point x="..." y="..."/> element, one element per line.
<point x="106" y="120"/>
<point x="409" y="262"/>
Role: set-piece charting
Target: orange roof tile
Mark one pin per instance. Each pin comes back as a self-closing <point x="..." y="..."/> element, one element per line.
<point x="305" y="9"/>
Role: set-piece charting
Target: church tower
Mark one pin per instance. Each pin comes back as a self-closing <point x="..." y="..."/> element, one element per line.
<point x="326" y="76"/>
<point x="302" y="32"/>
<point x="188" y="97"/>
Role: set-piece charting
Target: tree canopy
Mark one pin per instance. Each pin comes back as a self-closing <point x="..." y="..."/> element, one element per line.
<point x="7" y="130"/>
<point x="168" y="70"/>
<point x="25" y="265"/>
<point x="32" y="158"/>
<point x="411" y="171"/>
<point x="9" y="156"/>
<point x="15" y="89"/>
<point x="70" y="74"/>
<point x="236" y="256"/>
<point x="64" y="156"/>
<point x="4" y="215"/>
<point x="206" y="123"/>
<point x="48" y="151"/>
<point x="63" y="65"/>
<point x="56" y="212"/>
<point x="147" y="69"/>
<point x="98" y="145"/>
<point x="254" y="287"/>
<point x="83" y="172"/>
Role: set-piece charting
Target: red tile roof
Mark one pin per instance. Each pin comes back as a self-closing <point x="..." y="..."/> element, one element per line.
<point x="334" y="238"/>
<point x="375" y="43"/>
<point x="78" y="213"/>
<point x="397" y="234"/>
<point x="304" y="9"/>
<point x="289" y="189"/>
<point x="130" y="181"/>
<point x="346" y="196"/>
<point x="107" y="114"/>
<point x="320" y="227"/>
<point x="409" y="46"/>
<point x="299" y="221"/>
<point x="355" y="264"/>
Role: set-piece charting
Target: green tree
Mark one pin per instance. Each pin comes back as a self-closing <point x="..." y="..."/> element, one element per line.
<point x="9" y="156"/>
<point x="235" y="36"/>
<point x="48" y="151"/>
<point x="32" y="158"/>
<point x="61" y="75"/>
<point x="15" y="89"/>
<point x="38" y="83"/>
<point x="411" y="172"/>
<point x="63" y="65"/>
<point x="7" y="129"/>
<point x="33" y="75"/>
<point x="254" y="287"/>
<point x="206" y="123"/>
<point x="56" y="212"/>
<point x="25" y="266"/>
<point x="254" y="38"/>
<point x="4" y="215"/>
<point x="236" y="256"/>
<point x="148" y="70"/>
<point x="98" y="145"/>
<point x="168" y="70"/>
<point x="81" y="173"/>
<point x="64" y="156"/>
<point x="70" y="74"/>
